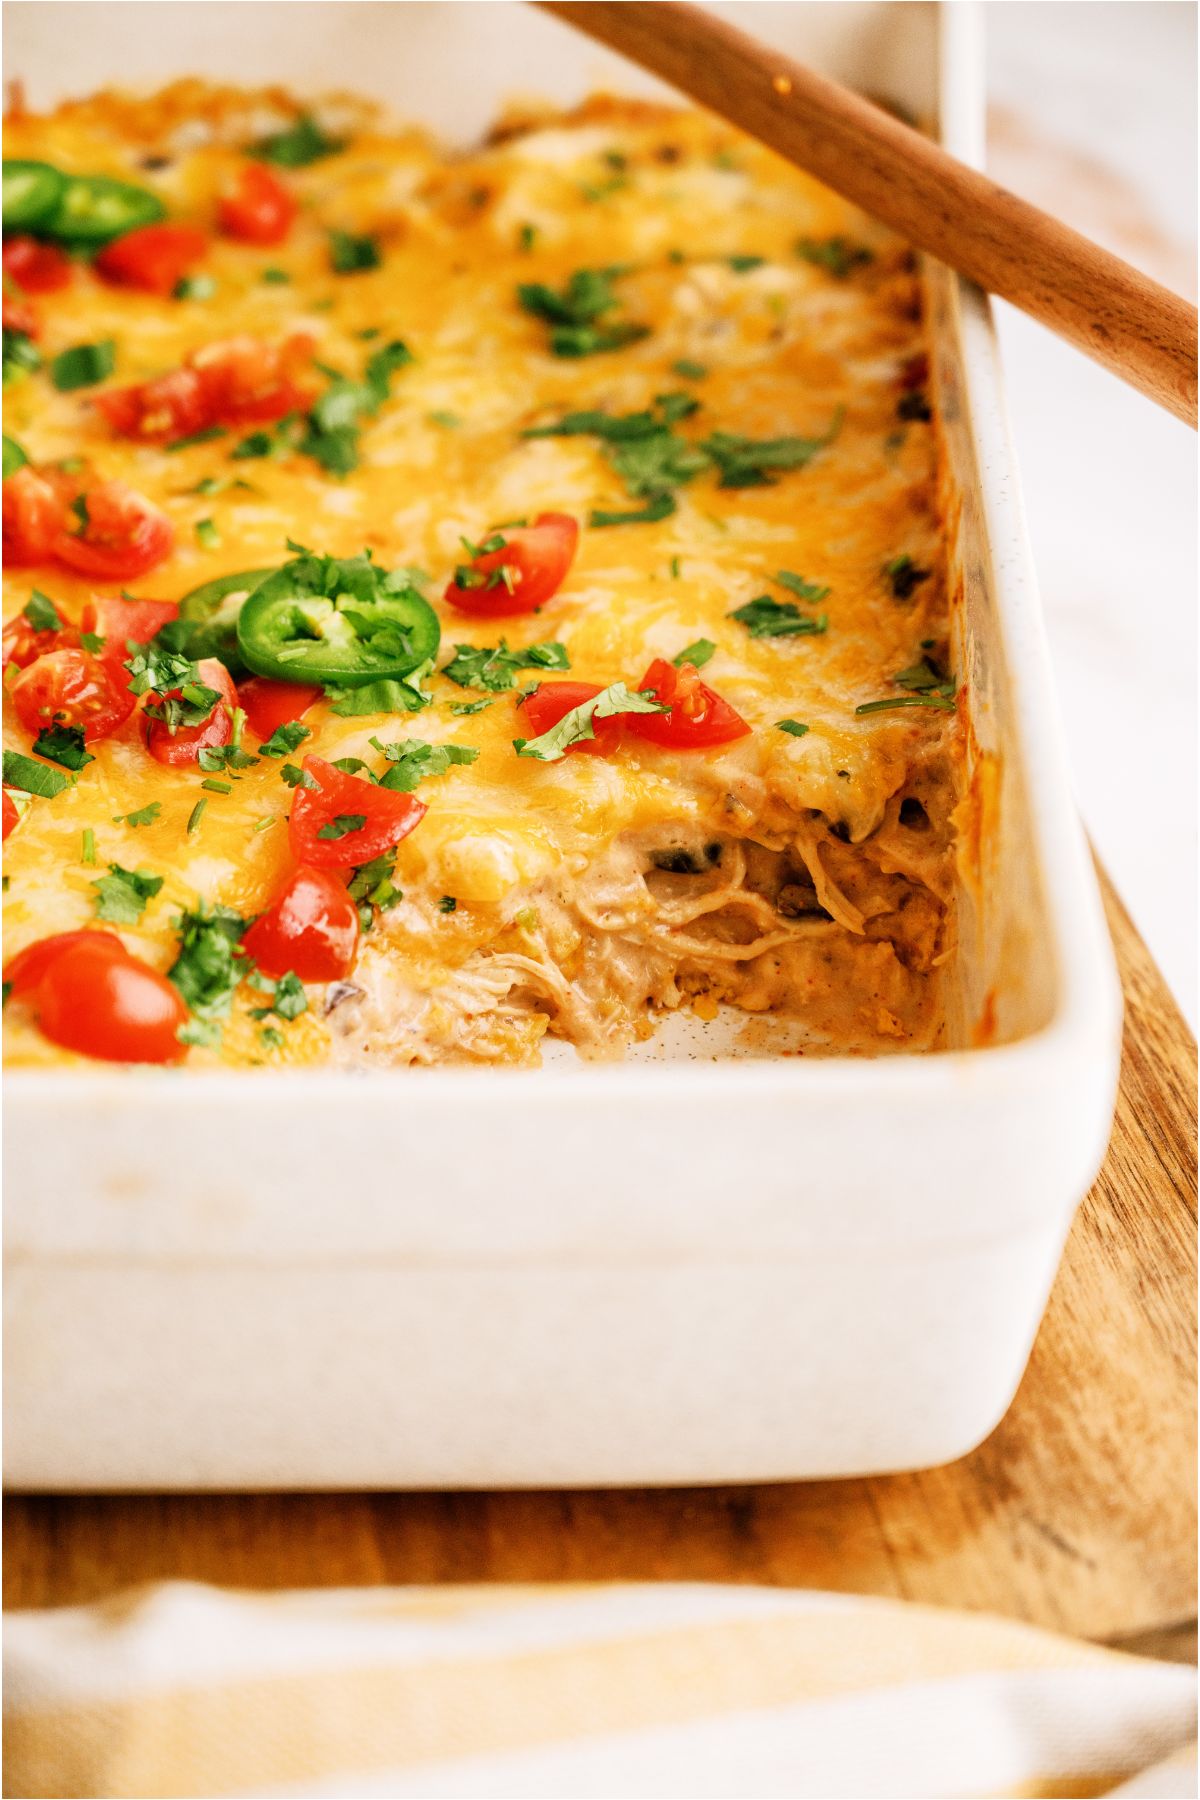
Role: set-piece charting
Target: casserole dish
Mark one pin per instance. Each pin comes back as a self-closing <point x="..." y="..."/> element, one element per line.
<point x="694" y="1266"/>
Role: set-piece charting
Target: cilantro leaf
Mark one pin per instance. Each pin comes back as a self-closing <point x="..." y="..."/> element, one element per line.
<point x="753" y="462"/>
<point x="83" y="365"/>
<point x="372" y="885"/>
<point x="145" y="815"/>
<point x="342" y="824"/>
<point x="702" y="651"/>
<point x="288" y="998"/>
<point x="575" y="727"/>
<point x="661" y="507"/>
<point x="121" y="895"/>
<point x="350" y="255"/>
<point x="284" y="739"/>
<point x="21" y="355"/>
<point x="413" y="761"/>
<point x="573" y="313"/>
<point x="31" y="777"/>
<point x="479" y="666"/>
<point x="42" y="613"/>
<point x="793" y="727"/>
<point x="836" y="255"/>
<point x="390" y="696"/>
<point x="803" y="590"/>
<point x="764" y="617"/>
<point x="294" y="776"/>
<point x="297" y="146"/>
<point x="905" y="576"/>
<point x="210" y="963"/>
<point x="63" y="744"/>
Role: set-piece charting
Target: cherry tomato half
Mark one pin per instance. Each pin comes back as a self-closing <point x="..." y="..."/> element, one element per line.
<point x="345" y="820"/>
<point x="94" y="997"/>
<point x="698" y="719"/>
<point x="122" y="622"/>
<point x="12" y="817"/>
<point x="154" y="258"/>
<point x="550" y="702"/>
<point x="74" y="688"/>
<point x="310" y="927"/>
<point x="237" y="381"/>
<point x="183" y="745"/>
<point x="268" y="704"/>
<point x="260" y="210"/>
<point x="124" y="535"/>
<point x="24" y="971"/>
<point x="34" y="508"/>
<point x="36" y="267"/>
<point x="23" y="644"/>
<point x="19" y="316"/>
<point x="534" y="560"/>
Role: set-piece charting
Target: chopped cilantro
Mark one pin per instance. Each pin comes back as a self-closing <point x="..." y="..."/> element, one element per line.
<point x="752" y="462"/>
<point x="793" y="727"/>
<point x="214" y="757"/>
<point x="372" y="885"/>
<point x="275" y="277"/>
<point x="803" y="590"/>
<point x="575" y="727"/>
<point x="21" y="355"/>
<point x="413" y="761"/>
<point x="905" y="576"/>
<point x="31" y="777"/>
<point x="92" y="642"/>
<point x="294" y="776"/>
<point x="742" y="265"/>
<point x="943" y="703"/>
<point x="573" y="313"/>
<point x="207" y="535"/>
<point x="270" y="1037"/>
<point x="63" y="744"/>
<point x="921" y="677"/>
<point x="702" y="651"/>
<point x="87" y="853"/>
<point x="462" y="707"/>
<point x="389" y="696"/>
<point x="661" y="507"/>
<point x="300" y="144"/>
<point x="691" y="371"/>
<point x="210" y="962"/>
<point x="121" y="895"/>
<point x="284" y="739"/>
<point x="342" y="824"/>
<point x="837" y="255"/>
<point x="197" y="437"/>
<point x="447" y="903"/>
<point x="83" y="365"/>
<point x="447" y="420"/>
<point x="42" y="613"/>
<point x="350" y="255"/>
<point x="194" y="287"/>
<point x="526" y="238"/>
<point x="764" y="617"/>
<point x="288" y="998"/>
<point x="479" y="666"/>
<point x="145" y="815"/>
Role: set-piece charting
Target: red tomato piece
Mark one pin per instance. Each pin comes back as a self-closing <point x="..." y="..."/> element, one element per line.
<point x="154" y="258"/>
<point x="334" y="806"/>
<point x="172" y="406"/>
<point x="535" y="560"/>
<point x="260" y="209"/>
<point x="550" y="702"/>
<point x="311" y="927"/>
<point x="122" y="622"/>
<point x="12" y="817"/>
<point x="34" y="508"/>
<point x="74" y="688"/>
<point x="24" y="971"/>
<point x="20" y="317"/>
<point x="109" y="1004"/>
<point x="36" y="267"/>
<point x="185" y="744"/>
<point x="124" y="535"/>
<point x="698" y="719"/>
<point x="23" y="645"/>
<point x="268" y="704"/>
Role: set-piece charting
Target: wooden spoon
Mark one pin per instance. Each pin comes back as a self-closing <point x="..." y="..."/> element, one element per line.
<point x="1110" y="310"/>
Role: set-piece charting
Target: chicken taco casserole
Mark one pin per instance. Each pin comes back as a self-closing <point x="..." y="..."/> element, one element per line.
<point x="452" y="599"/>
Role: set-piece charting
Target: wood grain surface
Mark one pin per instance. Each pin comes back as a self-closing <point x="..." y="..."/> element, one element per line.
<point x="1138" y="329"/>
<point x="1079" y="1512"/>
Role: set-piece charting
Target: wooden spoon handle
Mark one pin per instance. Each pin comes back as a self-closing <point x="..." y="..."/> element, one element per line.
<point x="1130" y="324"/>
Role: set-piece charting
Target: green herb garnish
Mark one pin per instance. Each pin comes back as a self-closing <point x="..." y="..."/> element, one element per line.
<point x="42" y="613"/>
<point x="63" y="744"/>
<point x="837" y="255"/>
<point x="702" y="651"/>
<point x="575" y="727"/>
<point x="793" y="727"/>
<point x="83" y="365"/>
<point x="121" y="895"/>
<point x="480" y="666"/>
<point x="31" y="777"/>
<point x="573" y="313"/>
<point x="350" y="255"/>
<point x="764" y="617"/>
<point x="297" y="146"/>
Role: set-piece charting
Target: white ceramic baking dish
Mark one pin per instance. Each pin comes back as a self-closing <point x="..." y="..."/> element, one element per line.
<point x="687" y="1268"/>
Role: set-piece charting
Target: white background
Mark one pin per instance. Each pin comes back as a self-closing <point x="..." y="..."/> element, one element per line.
<point x="1093" y="115"/>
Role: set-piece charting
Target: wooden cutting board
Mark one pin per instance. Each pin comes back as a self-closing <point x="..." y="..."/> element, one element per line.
<point x="1078" y="1513"/>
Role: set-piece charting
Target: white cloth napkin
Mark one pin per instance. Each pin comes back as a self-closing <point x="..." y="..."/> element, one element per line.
<point x="637" y="1690"/>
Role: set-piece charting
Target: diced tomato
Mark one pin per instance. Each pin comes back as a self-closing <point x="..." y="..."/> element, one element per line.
<point x="35" y="267"/>
<point x="18" y="315"/>
<point x="534" y="560"/>
<point x="74" y="688"/>
<point x="550" y="702"/>
<point x="92" y="996"/>
<point x="185" y="744"/>
<point x="23" y="972"/>
<point x="122" y="622"/>
<point x="698" y="718"/>
<point x="23" y="645"/>
<point x="12" y="817"/>
<point x="34" y="508"/>
<point x="323" y="829"/>
<point x="311" y="927"/>
<point x="238" y="381"/>
<point x="268" y="704"/>
<point x="124" y="535"/>
<point x="154" y="258"/>
<point x="260" y="210"/>
<point x="171" y="406"/>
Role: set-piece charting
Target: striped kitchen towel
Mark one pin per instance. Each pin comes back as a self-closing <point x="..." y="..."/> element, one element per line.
<point x="607" y="1690"/>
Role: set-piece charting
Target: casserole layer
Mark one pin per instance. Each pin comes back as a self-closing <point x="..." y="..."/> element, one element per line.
<point x="806" y="872"/>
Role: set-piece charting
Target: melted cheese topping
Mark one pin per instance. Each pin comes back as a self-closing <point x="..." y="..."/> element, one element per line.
<point x="788" y="348"/>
